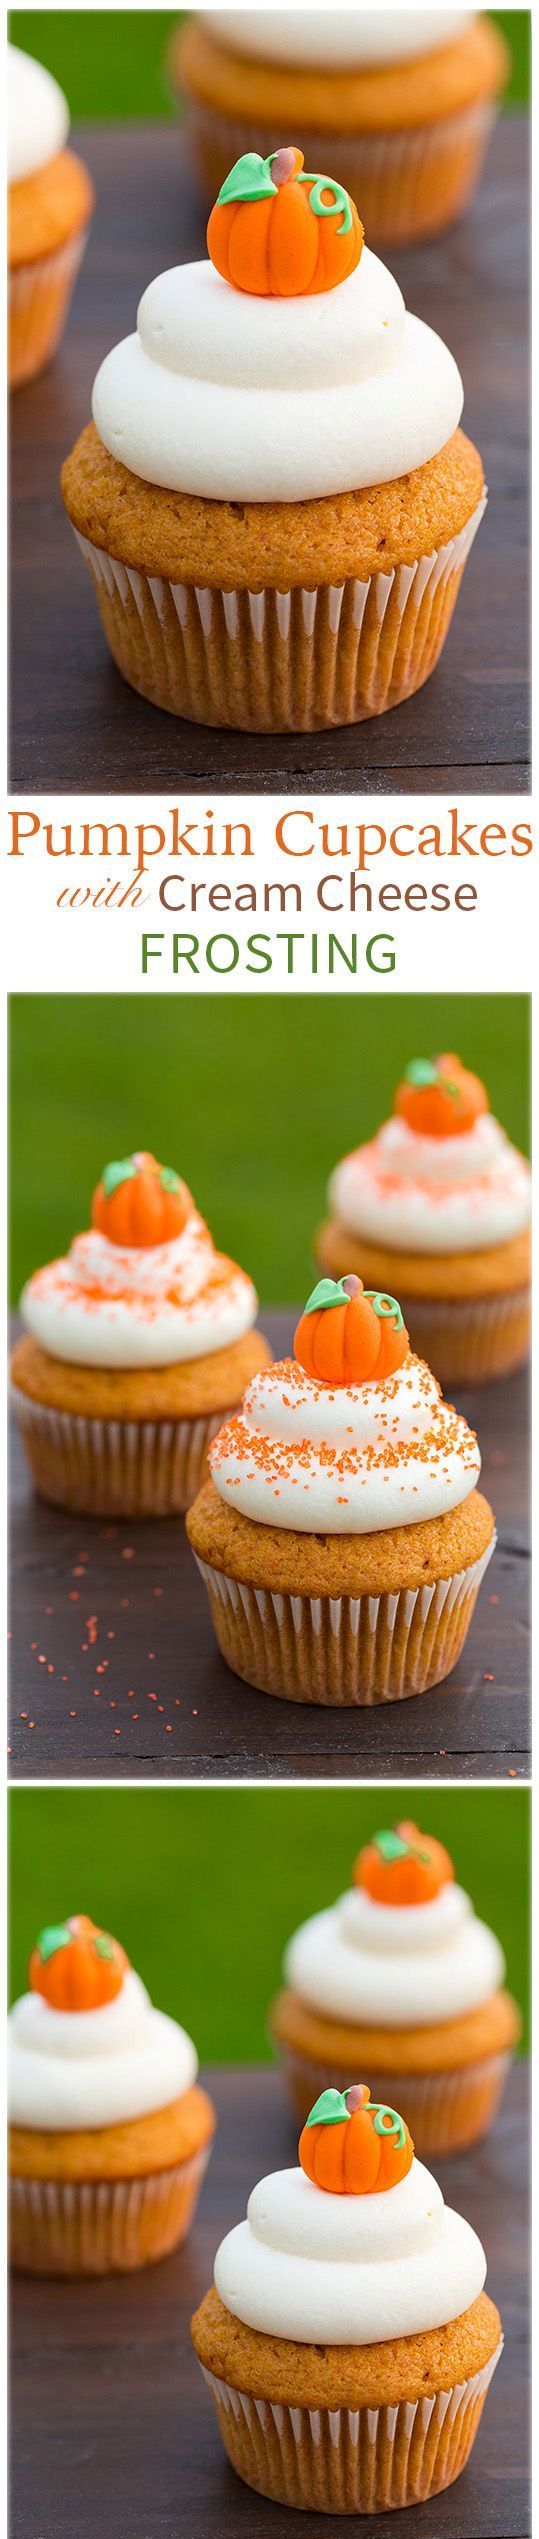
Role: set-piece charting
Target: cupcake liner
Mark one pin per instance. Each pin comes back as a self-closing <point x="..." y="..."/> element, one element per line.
<point x="445" y="2111"/>
<point x="284" y="661"/>
<point x="39" y="297"/>
<point x="113" y="1467"/>
<point x="407" y="184"/>
<point x="343" y="1650"/>
<point x="473" y="1338"/>
<point x="105" y="2227"/>
<point x="344" y="2460"/>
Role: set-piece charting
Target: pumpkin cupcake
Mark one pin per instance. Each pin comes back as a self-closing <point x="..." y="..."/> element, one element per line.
<point x="438" y="1204"/>
<point x="136" y="1345"/>
<point x="50" y="202"/>
<point x="347" y="2341"/>
<point x="399" y="102"/>
<point x="341" y="1536"/>
<point x="275" y="500"/>
<point x="400" y="1979"/>
<point x="109" y="2132"/>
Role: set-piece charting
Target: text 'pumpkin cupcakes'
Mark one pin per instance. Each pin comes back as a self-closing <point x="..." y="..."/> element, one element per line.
<point x="347" y="2341"/>
<point x="399" y="102"/>
<point x="341" y="1536"/>
<point x="50" y="202"/>
<point x="275" y="500"/>
<point x="438" y="1204"/>
<point x="400" y="1979"/>
<point x="109" y="2132"/>
<point x="137" y="1344"/>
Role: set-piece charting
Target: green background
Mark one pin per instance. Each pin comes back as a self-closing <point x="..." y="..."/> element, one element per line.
<point x="112" y="62"/>
<point x="252" y="1103"/>
<point x="204" y="1886"/>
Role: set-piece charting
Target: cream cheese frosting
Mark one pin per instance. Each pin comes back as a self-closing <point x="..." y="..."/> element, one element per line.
<point x="233" y="397"/>
<point x="37" y="115"/>
<point x="353" y="1459"/>
<point x="106" y="1306"/>
<point x="336" y="39"/>
<point x="81" y="2069"/>
<point x="395" y="1966"/>
<point x="433" y="1194"/>
<point x="351" y="2269"/>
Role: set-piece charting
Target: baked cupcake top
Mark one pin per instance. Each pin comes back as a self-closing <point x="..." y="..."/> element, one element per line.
<point x="356" y="2245"/>
<point x="403" y="1947"/>
<point x="336" y="39"/>
<point x="285" y="369"/>
<point x="37" y="116"/>
<point x="85" y="2046"/>
<point x="145" y="1287"/>
<point x="350" y="1436"/>
<point x="440" y="1175"/>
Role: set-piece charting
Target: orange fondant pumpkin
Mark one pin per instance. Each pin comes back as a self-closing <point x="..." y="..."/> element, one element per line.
<point x="139" y="1202"/>
<point x="349" y="1334"/>
<point x="439" y="1098"/>
<point x="281" y="234"/>
<point x="403" y="1867"/>
<point x="76" y="1966"/>
<point x="352" y="2146"/>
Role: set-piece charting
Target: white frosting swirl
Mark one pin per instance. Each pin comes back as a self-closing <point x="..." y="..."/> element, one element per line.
<point x="405" y="1966"/>
<point x="353" y="1459"/>
<point x="434" y="1194"/>
<point x="349" y="2269"/>
<point x="37" y="114"/>
<point x="80" y="2069"/>
<point x="224" y="394"/>
<point x="336" y="39"/>
<point x="104" y="1306"/>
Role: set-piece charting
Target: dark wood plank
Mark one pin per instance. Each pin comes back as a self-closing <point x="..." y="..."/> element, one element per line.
<point x="144" y="1690"/>
<point x="112" y="2427"/>
<point x="469" y="725"/>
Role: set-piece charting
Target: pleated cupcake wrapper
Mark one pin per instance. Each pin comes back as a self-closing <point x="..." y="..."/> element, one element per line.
<point x="109" y="2226"/>
<point x="343" y="2459"/>
<point x="445" y="2111"/>
<point x="113" y="1467"/>
<point x="343" y="1650"/>
<point x="39" y="294"/>
<point x="406" y="184"/>
<point x="271" y="660"/>
<point x="470" y="1339"/>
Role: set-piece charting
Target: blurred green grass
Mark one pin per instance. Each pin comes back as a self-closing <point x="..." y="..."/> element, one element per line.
<point x="111" y="62"/>
<point x="253" y="1104"/>
<point x="204" y="1886"/>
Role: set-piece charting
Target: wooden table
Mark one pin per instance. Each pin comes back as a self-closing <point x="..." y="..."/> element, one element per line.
<point x="113" y="2429"/>
<point x="75" y="724"/>
<point x="114" y="1666"/>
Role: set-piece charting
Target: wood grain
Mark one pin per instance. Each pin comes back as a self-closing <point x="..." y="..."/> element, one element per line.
<point x="75" y="724"/>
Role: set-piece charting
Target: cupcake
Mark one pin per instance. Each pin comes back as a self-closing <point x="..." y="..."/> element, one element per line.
<point x="399" y="102"/>
<point x="109" y="2132"/>
<point x="341" y="1535"/>
<point x="401" y="1980"/>
<point x="275" y="500"/>
<point x="438" y="1204"/>
<point x="347" y="2341"/>
<point x="50" y="202"/>
<point x="135" y="1346"/>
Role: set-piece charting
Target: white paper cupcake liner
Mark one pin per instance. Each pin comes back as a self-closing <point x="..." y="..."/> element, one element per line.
<point x="406" y="184"/>
<point x="343" y="1650"/>
<point x="344" y="2460"/>
<point x="470" y="1339"/>
<point x="269" y="660"/>
<point x="111" y="1467"/>
<point x="445" y="2111"/>
<point x="106" y="2227"/>
<point x="39" y="294"/>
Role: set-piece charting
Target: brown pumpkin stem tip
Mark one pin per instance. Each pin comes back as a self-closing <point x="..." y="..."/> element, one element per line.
<point x="285" y="165"/>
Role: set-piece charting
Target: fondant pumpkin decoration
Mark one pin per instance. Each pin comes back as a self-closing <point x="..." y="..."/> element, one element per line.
<point x="139" y="1202"/>
<point x="76" y="1966"/>
<point x="350" y="1334"/>
<point x="439" y="1098"/>
<point x="280" y="234"/>
<point x="352" y="2145"/>
<point x="403" y="1867"/>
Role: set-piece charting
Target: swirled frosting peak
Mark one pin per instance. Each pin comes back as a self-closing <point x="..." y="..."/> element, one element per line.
<point x="344" y="1458"/>
<point x="394" y="1965"/>
<point x="349" y="2267"/>
<point x="418" y="1191"/>
<point x="37" y="116"/>
<point x="80" y="2067"/>
<point x="139" y="1303"/>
